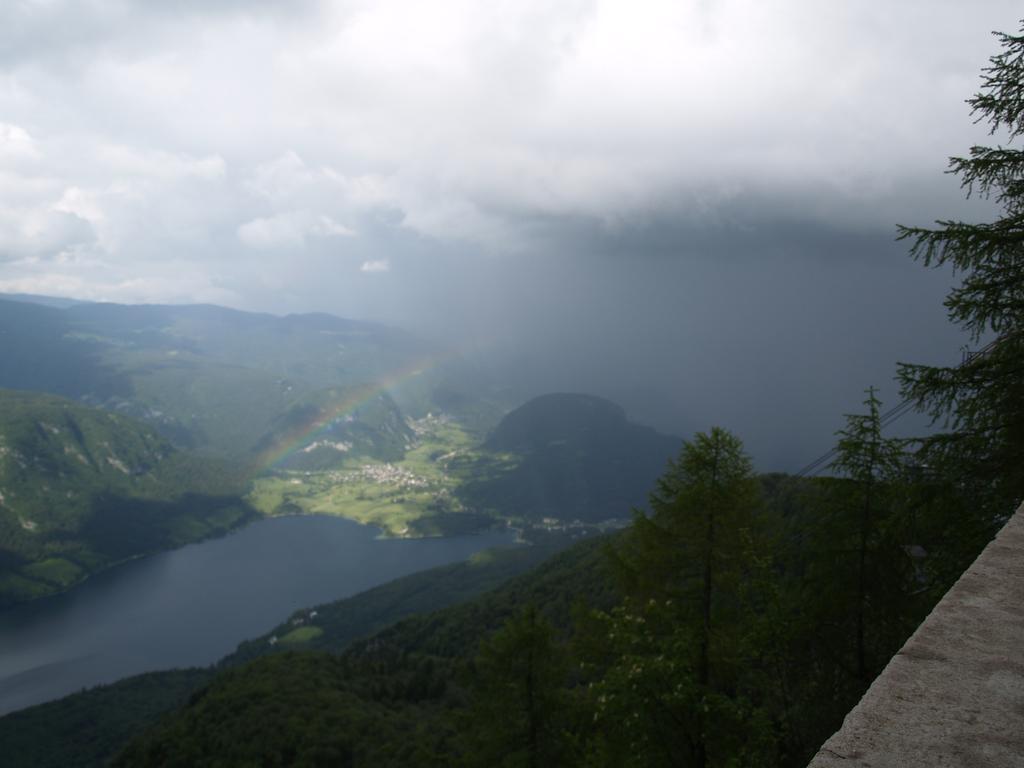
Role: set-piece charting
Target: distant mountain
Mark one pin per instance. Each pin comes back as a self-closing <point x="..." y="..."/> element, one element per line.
<point x="47" y="301"/>
<point x="320" y="349"/>
<point x="584" y="421"/>
<point x="39" y="351"/>
<point x="81" y="488"/>
<point x="211" y="379"/>
<point x="569" y="457"/>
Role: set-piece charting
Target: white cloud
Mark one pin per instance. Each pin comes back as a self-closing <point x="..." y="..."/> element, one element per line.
<point x="283" y="231"/>
<point x="40" y="232"/>
<point x="82" y="203"/>
<point x="376" y="265"/>
<point x="237" y="131"/>
<point x="15" y="143"/>
<point x="90" y="284"/>
<point x="123" y="201"/>
<point x="131" y="162"/>
<point x="291" y="229"/>
<point x="283" y="179"/>
<point x="325" y="226"/>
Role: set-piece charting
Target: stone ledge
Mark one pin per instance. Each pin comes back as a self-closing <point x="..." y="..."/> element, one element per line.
<point x="953" y="696"/>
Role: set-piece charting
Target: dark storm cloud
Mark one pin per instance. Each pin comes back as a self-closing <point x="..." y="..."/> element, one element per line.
<point x="772" y="333"/>
<point x="774" y="336"/>
<point x="687" y="206"/>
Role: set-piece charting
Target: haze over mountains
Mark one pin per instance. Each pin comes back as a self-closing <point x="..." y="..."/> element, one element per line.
<point x="214" y="379"/>
<point x="572" y="203"/>
<point x="125" y="430"/>
<point x="782" y="387"/>
<point x="182" y="422"/>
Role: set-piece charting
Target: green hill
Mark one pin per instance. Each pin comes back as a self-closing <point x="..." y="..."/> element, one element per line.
<point x="38" y="352"/>
<point x="568" y="457"/>
<point x="81" y="489"/>
<point x="88" y="728"/>
<point x="214" y="380"/>
<point x="384" y="701"/>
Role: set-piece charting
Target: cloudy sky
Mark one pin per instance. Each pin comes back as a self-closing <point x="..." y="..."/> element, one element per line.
<point x="687" y="205"/>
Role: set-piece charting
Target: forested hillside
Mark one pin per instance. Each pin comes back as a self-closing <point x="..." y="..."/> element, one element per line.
<point x="804" y="607"/>
<point x="213" y="380"/>
<point x="88" y="728"/>
<point x="81" y="489"/>
<point x="567" y="457"/>
<point x="735" y="625"/>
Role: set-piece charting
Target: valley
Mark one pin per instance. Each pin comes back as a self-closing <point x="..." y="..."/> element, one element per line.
<point x="127" y="430"/>
<point x="339" y="483"/>
<point x="416" y="495"/>
<point x="192" y="605"/>
<point x="338" y="456"/>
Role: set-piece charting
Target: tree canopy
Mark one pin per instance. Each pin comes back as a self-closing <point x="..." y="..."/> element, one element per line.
<point x="981" y="402"/>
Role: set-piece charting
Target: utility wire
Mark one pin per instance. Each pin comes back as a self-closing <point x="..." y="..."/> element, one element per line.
<point x="890" y="416"/>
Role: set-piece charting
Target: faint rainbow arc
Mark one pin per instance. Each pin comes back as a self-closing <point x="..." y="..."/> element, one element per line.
<point x="359" y="395"/>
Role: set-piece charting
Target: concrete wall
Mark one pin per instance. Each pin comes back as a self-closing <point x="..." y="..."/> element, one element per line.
<point x="954" y="694"/>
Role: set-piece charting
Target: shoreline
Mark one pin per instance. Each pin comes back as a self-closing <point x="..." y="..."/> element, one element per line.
<point x="4" y="606"/>
<point x="383" y="534"/>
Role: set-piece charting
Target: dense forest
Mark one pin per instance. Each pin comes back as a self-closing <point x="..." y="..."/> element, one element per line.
<point x="735" y="625"/>
<point x="82" y="489"/>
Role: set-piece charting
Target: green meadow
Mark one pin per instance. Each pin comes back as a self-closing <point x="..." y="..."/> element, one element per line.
<point x="405" y="498"/>
<point x="302" y="635"/>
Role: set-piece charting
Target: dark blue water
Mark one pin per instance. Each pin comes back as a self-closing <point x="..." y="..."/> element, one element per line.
<point x="193" y="605"/>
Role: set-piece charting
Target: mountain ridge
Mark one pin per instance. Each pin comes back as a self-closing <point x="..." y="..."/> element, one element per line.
<point x="82" y="489"/>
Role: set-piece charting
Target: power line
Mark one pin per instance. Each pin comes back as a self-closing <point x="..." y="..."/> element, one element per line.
<point x="894" y="413"/>
<point x="885" y="420"/>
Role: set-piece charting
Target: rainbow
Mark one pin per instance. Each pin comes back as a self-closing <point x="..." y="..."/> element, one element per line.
<point x="300" y="436"/>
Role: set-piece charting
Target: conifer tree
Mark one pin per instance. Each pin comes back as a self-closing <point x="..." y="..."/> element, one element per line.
<point x="874" y="464"/>
<point x="520" y="701"/>
<point x="687" y="559"/>
<point x="981" y="402"/>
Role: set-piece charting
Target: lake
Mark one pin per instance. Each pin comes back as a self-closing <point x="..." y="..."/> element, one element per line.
<point x="191" y="606"/>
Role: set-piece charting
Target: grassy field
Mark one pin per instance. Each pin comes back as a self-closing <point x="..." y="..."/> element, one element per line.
<point x="390" y="495"/>
<point x="302" y="635"/>
<point x="54" y="570"/>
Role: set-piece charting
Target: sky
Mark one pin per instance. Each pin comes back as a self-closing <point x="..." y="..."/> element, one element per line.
<point x="688" y="206"/>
